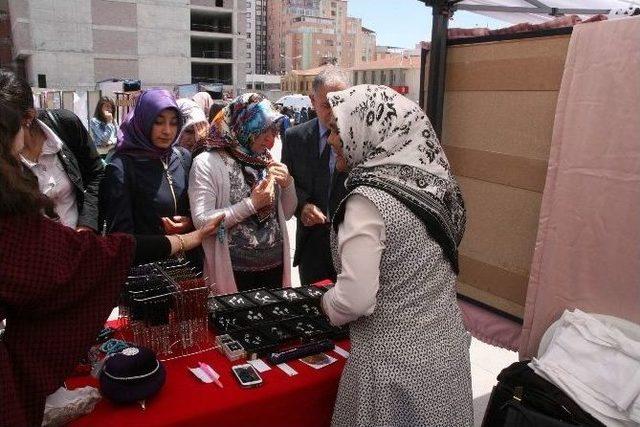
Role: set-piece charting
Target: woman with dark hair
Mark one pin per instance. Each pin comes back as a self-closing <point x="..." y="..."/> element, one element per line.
<point x="57" y="287"/>
<point x="102" y="125"/>
<point x="58" y="152"/>
<point x="145" y="186"/>
<point x="216" y="107"/>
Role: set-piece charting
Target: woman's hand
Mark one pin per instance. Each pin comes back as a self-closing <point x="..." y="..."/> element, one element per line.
<point x="210" y="228"/>
<point x="263" y="194"/>
<point x="336" y="144"/>
<point x="341" y="163"/>
<point x="194" y="239"/>
<point x="281" y="174"/>
<point x="177" y="224"/>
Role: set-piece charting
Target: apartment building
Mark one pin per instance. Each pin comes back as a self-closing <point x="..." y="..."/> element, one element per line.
<point x="256" y="36"/>
<point x="73" y="44"/>
<point x="305" y="34"/>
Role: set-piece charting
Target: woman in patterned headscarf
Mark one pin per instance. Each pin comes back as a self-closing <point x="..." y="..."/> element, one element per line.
<point x="233" y="172"/>
<point x="398" y="230"/>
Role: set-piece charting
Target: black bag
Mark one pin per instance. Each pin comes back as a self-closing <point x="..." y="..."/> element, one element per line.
<point x="131" y="85"/>
<point x="523" y="398"/>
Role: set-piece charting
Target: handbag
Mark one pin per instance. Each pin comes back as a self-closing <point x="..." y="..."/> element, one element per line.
<point x="522" y="396"/>
<point x="517" y="415"/>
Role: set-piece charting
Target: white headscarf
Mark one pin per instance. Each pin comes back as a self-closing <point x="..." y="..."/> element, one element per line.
<point x="390" y="144"/>
<point x="204" y="100"/>
<point x="191" y="114"/>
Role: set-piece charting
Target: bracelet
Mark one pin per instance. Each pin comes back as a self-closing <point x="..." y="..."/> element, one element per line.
<point x="180" y="255"/>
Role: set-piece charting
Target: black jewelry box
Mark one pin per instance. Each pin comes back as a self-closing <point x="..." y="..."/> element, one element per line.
<point x="235" y="301"/>
<point x="213" y="305"/>
<point x="262" y="297"/>
<point x="278" y="333"/>
<point x="283" y="311"/>
<point x="255" y="341"/>
<point x="310" y="309"/>
<point x="289" y="295"/>
<point x="226" y="321"/>
<point x="312" y="291"/>
<point x="308" y="328"/>
<point x="254" y="317"/>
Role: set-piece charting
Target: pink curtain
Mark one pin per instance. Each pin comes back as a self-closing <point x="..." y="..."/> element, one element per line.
<point x="587" y="253"/>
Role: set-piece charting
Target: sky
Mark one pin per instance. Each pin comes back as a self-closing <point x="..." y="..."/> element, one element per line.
<point x="403" y="23"/>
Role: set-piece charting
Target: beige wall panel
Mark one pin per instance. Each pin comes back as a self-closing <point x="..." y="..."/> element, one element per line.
<point x="518" y="123"/>
<point x="502" y="223"/>
<point x="523" y="64"/>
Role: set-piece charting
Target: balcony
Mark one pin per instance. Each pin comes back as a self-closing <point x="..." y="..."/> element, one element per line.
<point x="203" y="50"/>
<point x="212" y="73"/>
<point x="211" y="27"/>
<point x="211" y="24"/>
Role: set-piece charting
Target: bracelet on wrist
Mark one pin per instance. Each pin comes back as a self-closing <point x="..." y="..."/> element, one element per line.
<point x="181" y="252"/>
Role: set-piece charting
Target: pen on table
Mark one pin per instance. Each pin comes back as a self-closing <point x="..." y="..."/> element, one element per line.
<point x="212" y="374"/>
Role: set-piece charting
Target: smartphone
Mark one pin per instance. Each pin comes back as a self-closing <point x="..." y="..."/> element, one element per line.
<point x="246" y="375"/>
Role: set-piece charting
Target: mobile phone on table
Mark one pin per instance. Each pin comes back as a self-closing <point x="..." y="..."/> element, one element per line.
<point x="246" y="375"/>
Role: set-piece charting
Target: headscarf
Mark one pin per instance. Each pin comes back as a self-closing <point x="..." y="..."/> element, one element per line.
<point x="390" y="145"/>
<point x="233" y="130"/>
<point x="191" y="114"/>
<point x="204" y="100"/>
<point x="134" y="135"/>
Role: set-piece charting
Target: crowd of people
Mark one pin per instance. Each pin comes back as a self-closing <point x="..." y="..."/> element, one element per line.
<point x="377" y="208"/>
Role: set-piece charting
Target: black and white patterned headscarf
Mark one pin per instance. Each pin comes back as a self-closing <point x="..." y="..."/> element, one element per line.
<point x="389" y="144"/>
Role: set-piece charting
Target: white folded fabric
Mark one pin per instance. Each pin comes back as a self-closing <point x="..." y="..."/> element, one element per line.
<point x="597" y="365"/>
<point x="64" y="405"/>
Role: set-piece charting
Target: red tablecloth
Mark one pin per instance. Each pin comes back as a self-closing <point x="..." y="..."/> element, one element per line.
<point x="305" y="399"/>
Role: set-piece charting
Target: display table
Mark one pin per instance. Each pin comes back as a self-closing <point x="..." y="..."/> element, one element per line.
<point x="306" y="399"/>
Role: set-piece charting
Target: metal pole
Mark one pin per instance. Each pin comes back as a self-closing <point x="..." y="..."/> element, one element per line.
<point x="442" y="10"/>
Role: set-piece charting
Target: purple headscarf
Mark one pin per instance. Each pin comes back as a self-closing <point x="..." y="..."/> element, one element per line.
<point x="134" y="135"/>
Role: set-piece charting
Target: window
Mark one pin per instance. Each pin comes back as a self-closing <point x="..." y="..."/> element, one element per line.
<point x="355" y="77"/>
<point x="248" y="45"/>
<point x="219" y="3"/>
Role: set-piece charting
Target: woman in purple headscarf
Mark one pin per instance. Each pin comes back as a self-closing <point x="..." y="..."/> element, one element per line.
<point x="145" y="186"/>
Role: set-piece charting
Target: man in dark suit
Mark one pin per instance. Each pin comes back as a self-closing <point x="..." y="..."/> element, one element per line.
<point x="319" y="186"/>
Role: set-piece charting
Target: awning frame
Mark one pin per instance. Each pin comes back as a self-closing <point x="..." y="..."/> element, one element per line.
<point x="442" y="10"/>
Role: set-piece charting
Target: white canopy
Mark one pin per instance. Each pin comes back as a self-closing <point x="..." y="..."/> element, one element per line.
<point x="538" y="11"/>
<point x="295" y="101"/>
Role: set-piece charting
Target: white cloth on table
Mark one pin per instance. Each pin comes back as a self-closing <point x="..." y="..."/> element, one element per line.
<point x="597" y="365"/>
<point x="64" y="405"/>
